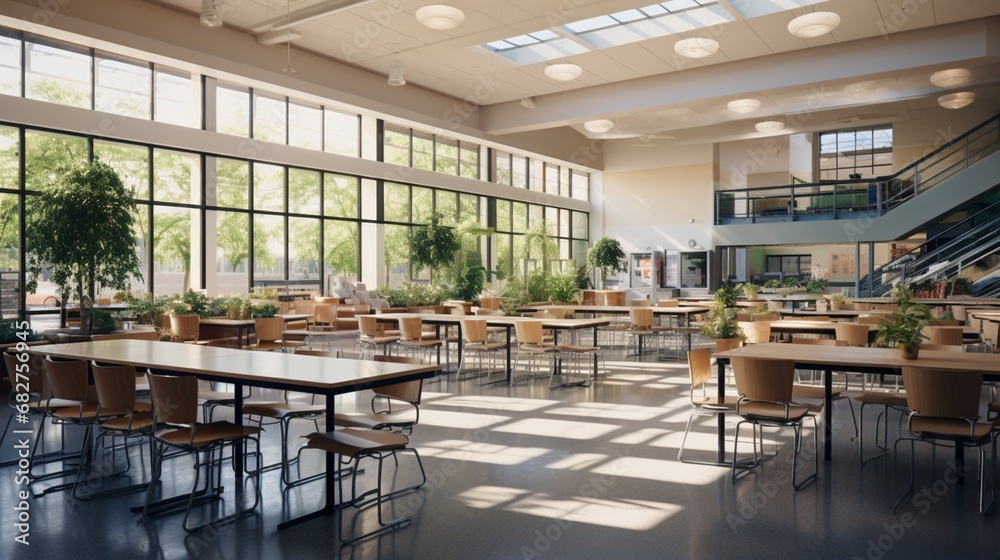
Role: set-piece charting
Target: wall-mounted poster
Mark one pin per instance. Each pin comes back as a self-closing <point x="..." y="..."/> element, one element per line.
<point x="672" y="269"/>
<point x="842" y="265"/>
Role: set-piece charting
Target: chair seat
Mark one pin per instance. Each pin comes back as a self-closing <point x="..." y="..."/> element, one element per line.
<point x="378" y="339"/>
<point x="270" y="345"/>
<point x="995" y="406"/>
<point x="281" y="409"/>
<point x="712" y="402"/>
<point x="536" y="348"/>
<point x="774" y="410"/>
<point x="49" y="404"/>
<point x="140" y="421"/>
<point x="207" y="434"/>
<point x="139" y="407"/>
<point x="570" y="349"/>
<point x="421" y="343"/>
<point x="351" y="442"/>
<point x="73" y="412"/>
<point x="215" y="396"/>
<point x="948" y="427"/>
<point x="887" y="398"/>
<point x="814" y="391"/>
<point x="371" y="420"/>
<point x="484" y="346"/>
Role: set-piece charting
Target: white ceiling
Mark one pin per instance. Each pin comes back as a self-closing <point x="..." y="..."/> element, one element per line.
<point x="454" y="63"/>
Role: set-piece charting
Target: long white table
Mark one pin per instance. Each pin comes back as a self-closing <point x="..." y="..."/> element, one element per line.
<point x="842" y="358"/>
<point x="274" y="370"/>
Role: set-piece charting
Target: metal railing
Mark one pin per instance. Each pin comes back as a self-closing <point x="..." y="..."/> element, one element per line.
<point x="848" y="199"/>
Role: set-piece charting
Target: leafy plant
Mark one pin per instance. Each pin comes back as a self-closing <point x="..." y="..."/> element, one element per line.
<point x="722" y="324"/>
<point x="750" y="289"/>
<point x="791" y="282"/>
<point x="564" y="287"/>
<point x="537" y="286"/>
<point x="265" y="293"/>
<point x="220" y="306"/>
<point x="10" y="333"/>
<point x="772" y="284"/>
<point x="145" y="307"/>
<point x="81" y="231"/>
<point x="960" y="286"/>
<point x="433" y="245"/>
<point x="411" y="295"/>
<point x="816" y="285"/>
<point x="197" y="303"/>
<point x="607" y="255"/>
<point x="104" y="323"/>
<point x="836" y="297"/>
<point x="263" y="311"/>
<point x="905" y="326"/>
<point x="727" y="294"/>
<point x="468" y="286"/>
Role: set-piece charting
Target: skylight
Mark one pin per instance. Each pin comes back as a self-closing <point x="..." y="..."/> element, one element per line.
<point x="539" y="46"/>
<point x="759" y="8"/>
<point x="658" y="20"/>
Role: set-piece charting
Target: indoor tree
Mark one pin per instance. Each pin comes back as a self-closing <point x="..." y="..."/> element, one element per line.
<point x="607" y="255"/>
<point x="433" y="245"/>
<point x="81" y="231"/>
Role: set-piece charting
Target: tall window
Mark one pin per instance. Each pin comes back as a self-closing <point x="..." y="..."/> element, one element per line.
<point x="858" y="151"/>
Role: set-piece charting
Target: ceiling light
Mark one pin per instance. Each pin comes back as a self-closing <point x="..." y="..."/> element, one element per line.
<point x="440" y="16"/>
<point x="528" y="102"/>
<point x="563" y="72"/>
<point x="396" y="74"/>
<point x="860" y="90"/>
<point x="813" y="24"/>
<point x="600" y="126"/>
<point x="769" y="126"/>
<point x="956" y="100"/>
<point x="696" y="47"/>
<point x="743" y="105"/>
<point x="951" y="78"/>
<point x="210" y="16"/>
<point x="274" y="37"/>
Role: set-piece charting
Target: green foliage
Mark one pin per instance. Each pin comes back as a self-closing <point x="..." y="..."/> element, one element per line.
<point x="727" y="294"/>
<point x="537" y="286"/>
<point x="772" y="284"/>
<point x="145" y="307"/>
<point x="264" y="311"/>
<point x="468" y="286"/>
<point x="433" y="245"/>
<point x="564" y="287"/>
<point x="9" y="333"/>
<point x="907" y="321"/>
<point x="104" y="323"/>
<point x="197" y="303"/>
<point x="837" y="297"/>
<point x="791" y="282"/>
<point x="82" y="231"/>
<point x="411" y="295"/>
<point x="265" y="293"/>
<point x="607" y="255"/>
<point x="816" y="285"/>
<point x="960" y="286"/>
<point x="750" y="289"/>
<point x="513" y="295"/>
<point x="220" y="306"/>
<point x="722" y="324"/>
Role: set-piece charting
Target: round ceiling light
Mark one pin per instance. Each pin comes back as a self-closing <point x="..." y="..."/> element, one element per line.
<point x="769" y="126"/>
<point x="860" y="90"/>
<point x="696" y="47"/>
<point x="600" y="126"/>
<point x="951" y="78"/>
<point x="563" y="72"/>
<point x="956" y="100"/>
<point x="741" y="106"/>
<point x="813" y="24"/>
<point x="440" y="16"/>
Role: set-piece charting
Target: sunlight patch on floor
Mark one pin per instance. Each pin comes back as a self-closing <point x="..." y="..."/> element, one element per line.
<point x="635" y="515"/>
<point x="482" y="452"/>
<point x="558" y="428"/>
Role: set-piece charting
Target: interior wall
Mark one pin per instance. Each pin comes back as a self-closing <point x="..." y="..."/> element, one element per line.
<point x="932" y="127"/>
<point x="833" y="262"/>
<point x="800" y="156"/>
<point x="749" y="163"/>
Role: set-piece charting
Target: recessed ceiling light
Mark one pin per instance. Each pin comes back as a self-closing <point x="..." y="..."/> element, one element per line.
<point x="956" y="100"/>
<point x="741" y="106"/>
<point x="860" y="90"/>
<point x="951" y="78"/>
<point x="696" y="47"/>
<point x="440" y="16"/>
<point x="563" y="72"/>
<point x="813" y="24"/>
<point x="769" y="126"/>
<point x="600" y="126"/>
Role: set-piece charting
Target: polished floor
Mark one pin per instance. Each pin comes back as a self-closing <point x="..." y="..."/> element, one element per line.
<point x="527" y="472"/>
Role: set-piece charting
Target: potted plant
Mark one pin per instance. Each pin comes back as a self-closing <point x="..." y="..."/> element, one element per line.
<point x="836" y="301"/>
<point x="816" y="286"/>
<point x="722" y="326"/>
<point x="607" y="255"/>
<point x="772" y="285"/>
<point x="81" y="232"/>
<point x="264" y="311"/>
<point x="727" y="295"/>
<point x="433" y="245"/>
<point x="751" y="290"/>
<point x="564" y="288"/>
<point x="903" y="330"/>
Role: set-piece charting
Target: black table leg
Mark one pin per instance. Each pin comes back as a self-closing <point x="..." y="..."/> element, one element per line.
<point x="720" y="453"/>
<point x="595" y="354"/>
<point x="238" y="420"/>
<point x="828" y="416"/>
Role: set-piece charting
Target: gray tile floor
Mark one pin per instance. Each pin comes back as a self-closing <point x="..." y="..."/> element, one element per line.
<point x="527" y="472"/>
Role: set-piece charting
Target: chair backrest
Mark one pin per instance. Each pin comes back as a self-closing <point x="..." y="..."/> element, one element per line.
<point x="407" y="391"/>
<point x="68" y="379"/>
<point x="128" y="335"/>
<point x="543" y="315"/>
<point x="639" y="303"/>
<point x="943" y="393"/>
<point x="268" y="329"/>
<point x="942" y="347"/>
<point x="958" y="312"/>
<point x="700" y="365"/>
<point x="175" y="398"/>
<point x="641" y="317"/>
<point x="854" y="334"/>
<point x="991" y="330"/>
<point x="185" y="326"/>
<point x="474" y="330"/>
<point x="325" y="313"/>
<point x="764" y="380"/>
<point x="528" y="332"/>
<point x="819" y="341"/>
<point x="871" y="319"/>
<point x="757" y="332"/>
<point x="943" y="335"/>
<point x="560" y="313"/>
<point x="115" y="386"/>
<point x="489" y="303"/>
<point x="668" y="303"/>
<point x="410" y="328"/>
<point x="33" y="372"/>
<point x="490" y="312"/>
<point x="368" y="325"/>
<point x="458" y="310"/>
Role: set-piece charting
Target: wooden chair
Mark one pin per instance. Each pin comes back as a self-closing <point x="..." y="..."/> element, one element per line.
<point x="815" y="390"/>
<point x="130" y="419"/>
<point x="945" y="335"/>
<point x="872" y="319"/>
<point x="639" y="303"/>
<point x="705" y="404"/>
<point x="765" y="389"/>
<point x="854" y="334"/>
<point x="532" y="349"/>
<point x="267" y="332"/>
<point x="944" y="408"/>
<point x="372" y="337"/>
<point x="757" y="332"/>
<point x="324" y="316"/>
<point x="641" y="326"/>
<point x="477" y="343"/>
<point x="175" y="417"/>
<point x="412" y="338"/>
<point x="668" y="303"/>
<point x="489" y="303"/>
<point x="184" y="328"/>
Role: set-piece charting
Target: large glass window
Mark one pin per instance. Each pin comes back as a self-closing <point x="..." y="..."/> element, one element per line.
<point x="47" y="154"/>
<point x="175" y="230"/>
<point x="232" y="110"/>
<point x="130" y="161"/>
<point x="342" y="242"/>
<point x="268" y="187"/>
<point x="857" y="153"/>
<point x="10" y="65"/>
<point x="501" y="169"/>
<point x="123" y="87"/>
<point x="446" y="155"/>
<point x="303" y="249"/>
<point x="10" y="158"/>
<point x="232" y="251"/>
<point x="396" y="145"/>
<point x="268" y="247"/>
<point x="341" y="133"/>
<point x="176" y="177"/>
<point x="269" y="118"/>
<point x="396" y="203"/>
<point x="519" y="172"/>
<point x="232" y="184"/>
<point x="176" y="98"/>
<point x="469" y="154"/>
<point x="581" y="185"/>
<point x="57" y="73"/>
<point x="305" y="125"/>
<point x="340" y="196"/>
<point x="303" y="194"/>
<point x="423" y="150"/>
